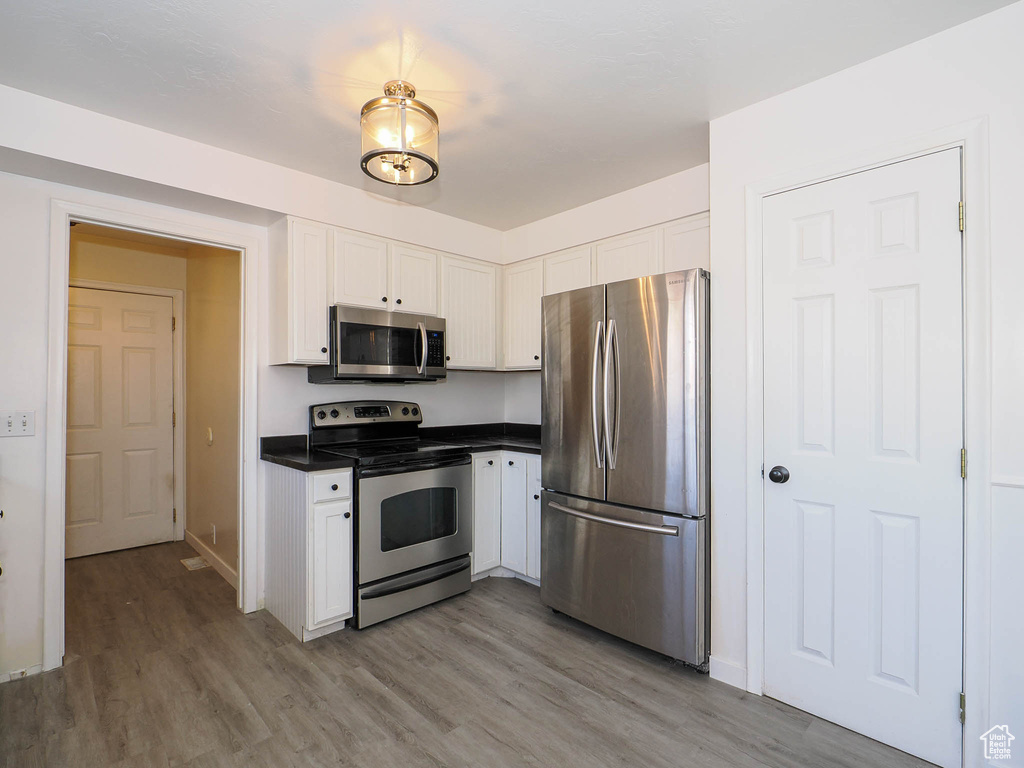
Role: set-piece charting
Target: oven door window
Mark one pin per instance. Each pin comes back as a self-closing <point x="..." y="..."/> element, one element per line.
<point x="416" y="517"/>
<point x="378" y="345"/>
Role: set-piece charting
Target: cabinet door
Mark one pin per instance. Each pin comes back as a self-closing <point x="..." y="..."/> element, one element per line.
<point x="468" y="302"/>
<point x="359" y="270"/>
<point x="513" y="512"/>
<point x="307" y="305"/>
<point x="623" y="258"/>
<point x="567" y="270"/>
<point x="524" y="287"/>
<point x="688" y="244"/>
<point x="413" y="280"/>
<point x="486" y="511"/>
<point x="331" y="577"/>
<point x="533" y="489"/>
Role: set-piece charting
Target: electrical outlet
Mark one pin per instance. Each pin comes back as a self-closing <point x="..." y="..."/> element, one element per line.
<point x="17" y="423"/>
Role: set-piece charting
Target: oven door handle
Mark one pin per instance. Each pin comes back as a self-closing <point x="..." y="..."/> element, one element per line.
<point x="421" y="367"/>
<point x="426" y="576"/>
<point x="398" y="469"/>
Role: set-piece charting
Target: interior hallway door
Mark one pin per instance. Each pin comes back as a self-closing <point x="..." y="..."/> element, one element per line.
<point x="863" y="411"/>
<point x="120" y="457"/>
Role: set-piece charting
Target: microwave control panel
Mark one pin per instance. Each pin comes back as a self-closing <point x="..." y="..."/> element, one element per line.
<point x="435" y="349"/>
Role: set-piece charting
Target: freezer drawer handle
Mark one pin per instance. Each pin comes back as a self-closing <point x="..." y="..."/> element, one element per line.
<point x="664" y="530"/>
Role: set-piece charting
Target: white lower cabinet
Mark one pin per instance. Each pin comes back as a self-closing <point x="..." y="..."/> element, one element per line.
<point x="506" y="516"/>
<point x="513" y="512"/>
<point x="486" y="511"/>
<point x="309" y="549"/>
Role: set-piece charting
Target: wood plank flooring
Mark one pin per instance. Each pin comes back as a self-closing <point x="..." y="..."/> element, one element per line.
<point x="161" y="670"/>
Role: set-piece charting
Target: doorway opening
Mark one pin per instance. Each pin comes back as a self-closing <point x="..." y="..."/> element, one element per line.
<point x="154" y="396"/>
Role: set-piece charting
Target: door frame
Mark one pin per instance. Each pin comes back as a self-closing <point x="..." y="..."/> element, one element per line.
<point x="177" y="225"/>
<point x="972" y="139"/>
<point x="177" y="297"/>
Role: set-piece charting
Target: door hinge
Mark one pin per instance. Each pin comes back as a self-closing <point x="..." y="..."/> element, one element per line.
<point x="961" y="215"/>
<point x="174" y="419"/>
<point x="963" y="709"/>
<point x="963" y="463"/>
<point x="174" y="323"/>
<point x="174" y="515"/>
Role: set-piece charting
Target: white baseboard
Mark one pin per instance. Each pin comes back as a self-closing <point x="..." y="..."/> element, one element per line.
<point x="727" y="672"/>
<point x="17" y="674"/>
<point x="230" y="574"/>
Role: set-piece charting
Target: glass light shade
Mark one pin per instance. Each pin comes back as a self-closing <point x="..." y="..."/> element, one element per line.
<point x="399" y="137"/>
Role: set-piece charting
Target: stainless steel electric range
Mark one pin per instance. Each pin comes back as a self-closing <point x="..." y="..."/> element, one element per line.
<point x="414" y="505"/>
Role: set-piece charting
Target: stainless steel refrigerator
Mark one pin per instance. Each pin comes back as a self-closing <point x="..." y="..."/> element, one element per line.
<point x="625" y="460"/>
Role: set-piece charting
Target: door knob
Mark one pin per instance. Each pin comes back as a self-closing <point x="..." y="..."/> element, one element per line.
<point x="490" y="462"/>
<point x="348" y="515"/>
<point x="778" y="474"/>
<point x="536" y="496"/>
<point x="398" y="301"/>
<point x="323" y="349"/>
<point x="511" y="463"/>
<point x="384" y="299"/>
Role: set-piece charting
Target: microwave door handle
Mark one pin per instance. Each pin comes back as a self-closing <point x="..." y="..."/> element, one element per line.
<point x="421" y="368"/>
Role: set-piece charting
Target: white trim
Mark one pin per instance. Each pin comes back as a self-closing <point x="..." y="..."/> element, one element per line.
<point x="178" y="225"/>
<point x="177" y="297"/>
<point x="1007" y="481"/>
<point x="972" y="137"/>
<point x="727" y="672"/>
<point x="230" y="574"/>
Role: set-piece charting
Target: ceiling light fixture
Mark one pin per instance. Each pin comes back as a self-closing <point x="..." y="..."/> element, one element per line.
<point x="400" y="137"/>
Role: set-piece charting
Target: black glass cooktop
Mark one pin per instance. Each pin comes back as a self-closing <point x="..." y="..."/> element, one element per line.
<point x="395" y="451"/>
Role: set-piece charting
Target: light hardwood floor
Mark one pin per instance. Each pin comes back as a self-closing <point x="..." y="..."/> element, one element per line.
<point x="161" y="670"/>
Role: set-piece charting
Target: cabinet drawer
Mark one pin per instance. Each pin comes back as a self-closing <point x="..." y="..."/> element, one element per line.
<point x="332" y="485"/>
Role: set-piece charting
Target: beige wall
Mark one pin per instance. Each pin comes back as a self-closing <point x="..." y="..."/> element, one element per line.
<point x="212" y="382"/>
<point x="95" y="257"/>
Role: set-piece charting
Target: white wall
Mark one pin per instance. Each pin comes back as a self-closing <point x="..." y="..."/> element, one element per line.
<point x="968" y="72"/>
<point x="465" y="397"/>
<point x="673" y="197"/>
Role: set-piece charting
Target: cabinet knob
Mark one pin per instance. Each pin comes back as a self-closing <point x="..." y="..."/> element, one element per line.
<point x="334" y="487"/>
<point x="511" y="463"/>
<point x="536" y="496"/>
<point x="536" y="357"/>
<point x="447" y="358"/>
<point x="490" y="462"/>
<point x="384" y="299"/>
<point x="323" y="349"/>
<point x="348" y="515"/>
<point x="398" y="301"/>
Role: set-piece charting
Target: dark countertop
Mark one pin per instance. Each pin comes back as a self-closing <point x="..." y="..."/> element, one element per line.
<point x="292" y="450"/>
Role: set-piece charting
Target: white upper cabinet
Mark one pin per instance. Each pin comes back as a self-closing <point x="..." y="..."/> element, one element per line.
<point x="629" y="256"/>
<point x="567" y="270"/>
<point x="524" y="288"/>
<point x="468" y="303"/>
<point x="688" y="244"/>
<point x="300" y="293"/>
<point x="359" y="270"/>
<point x="413" y="280"/>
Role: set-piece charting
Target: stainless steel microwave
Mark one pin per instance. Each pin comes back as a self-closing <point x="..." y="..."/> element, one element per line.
<point x="374" y="345"/>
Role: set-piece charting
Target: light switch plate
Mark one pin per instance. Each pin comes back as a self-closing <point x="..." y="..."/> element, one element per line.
<point x="17" y="423"/>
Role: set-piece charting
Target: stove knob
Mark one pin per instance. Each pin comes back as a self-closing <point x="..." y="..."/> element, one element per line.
<point x="334" y="413"/>
<point x="415" y="411"/>
<point x="321" y="415"/>
<point x="405" y="411"/>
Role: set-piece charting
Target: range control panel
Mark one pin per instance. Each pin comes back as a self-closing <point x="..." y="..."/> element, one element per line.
<point x="363" y="412"/>
<point x="435" y="349"/>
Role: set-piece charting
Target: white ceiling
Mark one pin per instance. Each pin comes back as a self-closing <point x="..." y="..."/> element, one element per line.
<point x="544" y="104"/>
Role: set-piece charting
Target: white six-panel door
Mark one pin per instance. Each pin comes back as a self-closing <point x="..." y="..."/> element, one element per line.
<point x="120" y="460"/>
<point x="863" y="405"/>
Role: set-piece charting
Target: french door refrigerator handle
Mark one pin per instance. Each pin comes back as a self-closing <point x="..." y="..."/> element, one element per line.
<point x="422" y="367"/>
<point x="611" y="345"/>
<point x="664" y="530"/>
<point x="598" y="445"/>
